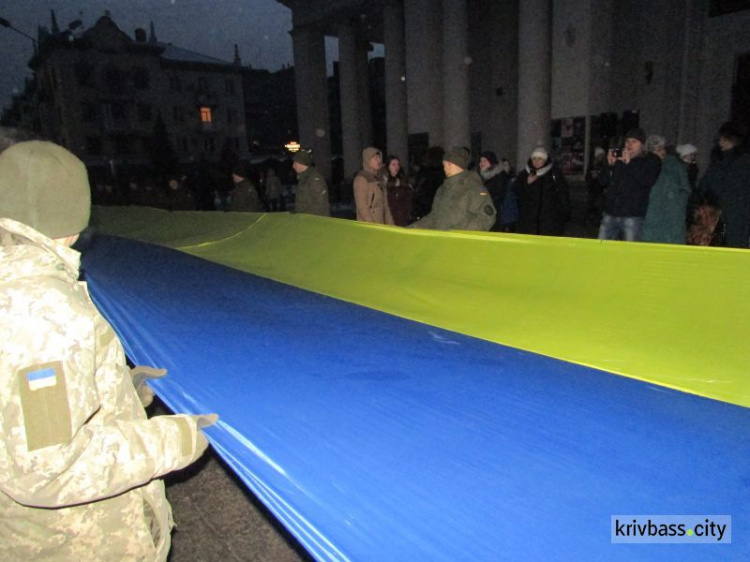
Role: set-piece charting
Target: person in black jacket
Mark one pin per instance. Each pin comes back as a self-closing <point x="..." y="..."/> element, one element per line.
<point x="727" y="183"/>
<point x="495" y="181"/>
<point x="543" y="196"/>
<point x="628" y="179"/>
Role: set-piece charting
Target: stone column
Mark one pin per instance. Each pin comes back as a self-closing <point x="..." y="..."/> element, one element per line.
<point x="395" y="79"/>
<point x="363" y="85"/>
<point x="455" y="74"/>
<point x="424" y="86"/>
<point x="312" y="94"/>
<point x="534" y="76"/>
<point x="351" y="132"/>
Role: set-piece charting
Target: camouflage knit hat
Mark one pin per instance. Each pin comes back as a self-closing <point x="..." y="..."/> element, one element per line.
<point x="458" y="156"/>
<point x="45" y="187"/>
<point x="304" y="157"/>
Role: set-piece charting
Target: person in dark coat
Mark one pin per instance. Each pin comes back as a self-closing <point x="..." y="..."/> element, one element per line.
<point x="180" y="198"/>
<point x="688" y="153"/>
<point x="399" y="190"/>
<point x="543" y="196"/>
<point x="495" y="181"/>
<point x="728" y="179"/>
<point x="244" y="195"/>
<point x="628" y="179"/>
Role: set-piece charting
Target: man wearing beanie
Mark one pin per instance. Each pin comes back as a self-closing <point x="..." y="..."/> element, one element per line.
<point x="244" y="195"/>
<point x="370" y="194"/>
<point x="627" y="179"/>
<point x="462" y="202"/>
<point x="80" y="461"/>
<point x="311" y="195"/>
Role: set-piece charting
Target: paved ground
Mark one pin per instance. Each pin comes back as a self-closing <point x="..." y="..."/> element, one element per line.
<point x="220" y="520"/>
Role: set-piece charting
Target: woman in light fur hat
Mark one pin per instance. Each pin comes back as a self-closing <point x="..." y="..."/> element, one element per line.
<point x="543" y="196"/>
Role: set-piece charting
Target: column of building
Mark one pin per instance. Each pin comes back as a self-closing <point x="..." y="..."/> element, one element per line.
<point x="312" y="94"/>
<point x="455" y="74"/>
<point x="395" y="79"/>
<point x="534" y="76"/>
<point x="349" y="96"/>
<point x="424" y="54"/>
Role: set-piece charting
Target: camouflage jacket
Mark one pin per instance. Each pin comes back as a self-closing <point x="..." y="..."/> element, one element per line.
<point x="311" y="195"/>
<point x="461" y="203"/>
<point x="79" y="459"/>
<point x="244" y="198"/>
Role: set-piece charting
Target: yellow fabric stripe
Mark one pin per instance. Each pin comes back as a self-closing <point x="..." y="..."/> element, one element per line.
<point x="676" y="316"/>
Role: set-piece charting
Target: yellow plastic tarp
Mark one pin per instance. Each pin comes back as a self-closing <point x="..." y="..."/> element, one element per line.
<point x="676" y="316"/>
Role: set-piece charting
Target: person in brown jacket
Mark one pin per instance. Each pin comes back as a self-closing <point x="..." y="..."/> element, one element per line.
<point x="370" y="193"/>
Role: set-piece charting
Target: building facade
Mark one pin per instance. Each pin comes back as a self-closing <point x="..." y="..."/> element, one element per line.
<point x="506" y="75"/>
<point x="109" y="98"/>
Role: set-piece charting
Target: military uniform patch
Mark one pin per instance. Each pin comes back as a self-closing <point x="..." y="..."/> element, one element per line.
<point x="44" y="401"/>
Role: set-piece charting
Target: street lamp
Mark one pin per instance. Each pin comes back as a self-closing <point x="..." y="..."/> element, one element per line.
<point x="6" y="23"/>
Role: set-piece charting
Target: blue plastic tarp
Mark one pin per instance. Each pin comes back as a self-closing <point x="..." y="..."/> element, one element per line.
<point x="371" y="437"/>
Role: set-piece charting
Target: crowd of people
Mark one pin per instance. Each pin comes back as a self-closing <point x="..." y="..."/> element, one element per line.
<point x="642" y="191"/>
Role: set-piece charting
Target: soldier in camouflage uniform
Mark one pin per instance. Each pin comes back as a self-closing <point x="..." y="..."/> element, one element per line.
<point x="80" y="460"/>
<point x="462" y="202"/>
<point x="311" y="195"/>
<point x="244" y="195"/>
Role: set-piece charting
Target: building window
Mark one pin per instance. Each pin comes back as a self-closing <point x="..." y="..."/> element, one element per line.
<point x="84" y="74"/>
<point x="175" y="84"/>
<point x="229" y="86"/>
<point x="206" y="115"/>
<point x="141" y="78"/>
<point x="89" y="112"/>
<point x="144" y="112"/>
<point x="178" y="115"/>
<point x="231" y="115"/>
<point x="184" y="144"/>
<point x="202" y="84"/>
<point x="208" y="145"/>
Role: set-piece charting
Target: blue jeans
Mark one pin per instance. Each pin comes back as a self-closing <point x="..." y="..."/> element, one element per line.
<point x="620" y="228"/>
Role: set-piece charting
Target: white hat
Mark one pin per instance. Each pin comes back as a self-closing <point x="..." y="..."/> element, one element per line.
<point x="686" y="150"/>
<point x="539" y="152"/>
<point x="599" y="151"/>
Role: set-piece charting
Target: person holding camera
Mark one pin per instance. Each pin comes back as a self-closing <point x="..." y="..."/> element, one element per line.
<point x="628" y="178"/>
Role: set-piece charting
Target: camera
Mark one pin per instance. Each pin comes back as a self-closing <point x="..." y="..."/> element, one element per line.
<point x="617" y="152"/>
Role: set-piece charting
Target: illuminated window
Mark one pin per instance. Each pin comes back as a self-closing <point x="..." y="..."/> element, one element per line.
<point x="205" y="114"/>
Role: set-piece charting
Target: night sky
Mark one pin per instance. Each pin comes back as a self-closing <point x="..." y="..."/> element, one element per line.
<point x="259" y="27"/>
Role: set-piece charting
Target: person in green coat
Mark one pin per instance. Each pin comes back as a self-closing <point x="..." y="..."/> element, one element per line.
<point x="462" y="202"/>
<point x="667" y="202"/>
<point x="311" y="195"/>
